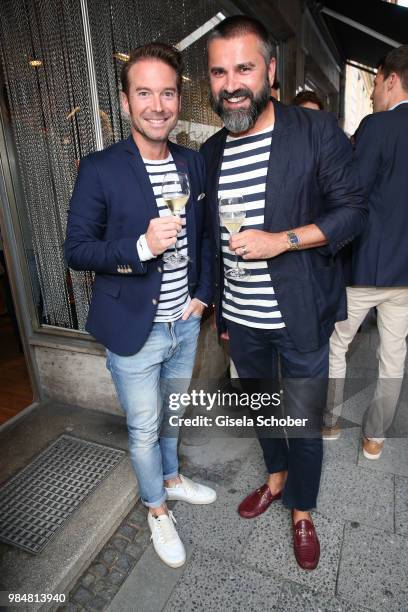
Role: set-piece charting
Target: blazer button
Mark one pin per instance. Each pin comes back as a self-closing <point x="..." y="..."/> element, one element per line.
<point x="160" y="269"/>
<point x="154" y="301"/>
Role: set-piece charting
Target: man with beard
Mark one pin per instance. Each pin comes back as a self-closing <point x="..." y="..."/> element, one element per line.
<point x="145" y="311"/>
<point x="293" y="169"/>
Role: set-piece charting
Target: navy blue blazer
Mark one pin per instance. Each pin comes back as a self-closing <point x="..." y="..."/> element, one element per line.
<point x="380" y="254"/>
<point x="111" y="206"/>
<point x="311" y="179"/>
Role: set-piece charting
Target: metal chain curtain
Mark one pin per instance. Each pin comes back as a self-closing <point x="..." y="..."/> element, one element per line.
<point x="51" y="114"/>
<point x="50" y="136"/>
<point x="118" y="26"/>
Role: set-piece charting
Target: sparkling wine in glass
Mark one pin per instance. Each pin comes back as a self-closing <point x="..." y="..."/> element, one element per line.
<point x="175" y="194"/>
<point x="232" y="215"/>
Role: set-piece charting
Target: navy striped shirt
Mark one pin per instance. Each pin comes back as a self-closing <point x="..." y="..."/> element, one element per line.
<point x="250" y="301"/>
<point x="174" y="295"/>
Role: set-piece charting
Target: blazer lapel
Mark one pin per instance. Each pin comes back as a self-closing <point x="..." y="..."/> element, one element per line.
<point x="213" y="172"/>
<point x="277" y="217"/>
<point x="136" y="163"/>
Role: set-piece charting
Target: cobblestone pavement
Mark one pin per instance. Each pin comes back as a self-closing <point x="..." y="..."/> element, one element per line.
<point x="237" y="565"/>
<point x="104" y="577"/>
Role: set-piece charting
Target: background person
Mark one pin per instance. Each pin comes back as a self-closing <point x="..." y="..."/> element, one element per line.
<point x="380" y="254"/>
<point x="308" y="99"/>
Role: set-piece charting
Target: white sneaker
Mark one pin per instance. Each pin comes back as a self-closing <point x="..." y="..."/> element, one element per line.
<point x="166" y="540"/>
<point x="191" y="492"/>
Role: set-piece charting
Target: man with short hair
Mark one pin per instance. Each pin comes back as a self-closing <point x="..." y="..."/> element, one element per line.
<point x="294" y="172"/>
<point x="380" y="254"/>
<point x="145" y="311"/>
<point x="308" y="99"/>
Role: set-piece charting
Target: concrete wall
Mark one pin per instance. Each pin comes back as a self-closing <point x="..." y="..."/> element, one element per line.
<point x="79" y="376"/>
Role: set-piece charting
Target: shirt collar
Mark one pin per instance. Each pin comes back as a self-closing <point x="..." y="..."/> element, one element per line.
<point x="395" y="105"/>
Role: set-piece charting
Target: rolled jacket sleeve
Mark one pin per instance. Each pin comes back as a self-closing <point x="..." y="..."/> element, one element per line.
<point x="345" y="206"/>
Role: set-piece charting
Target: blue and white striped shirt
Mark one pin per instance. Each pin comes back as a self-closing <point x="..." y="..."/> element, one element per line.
<point x="174" y="295"/>
<point x="249" y="301"/>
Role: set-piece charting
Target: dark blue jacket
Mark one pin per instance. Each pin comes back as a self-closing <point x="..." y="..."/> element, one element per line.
<point x="111" y="207"/>
<point x="380" y="254"/>
<point x="311" y="179"/>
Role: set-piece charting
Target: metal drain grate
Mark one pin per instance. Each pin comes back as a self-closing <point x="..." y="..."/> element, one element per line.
<point x="36" y="502"/>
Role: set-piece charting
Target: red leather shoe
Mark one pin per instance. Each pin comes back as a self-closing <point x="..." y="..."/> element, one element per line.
<point x="257" y="502"/>
<point x="306" y="544"/>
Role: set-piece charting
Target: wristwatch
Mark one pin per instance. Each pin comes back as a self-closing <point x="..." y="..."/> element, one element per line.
<point x="293" y="241"/>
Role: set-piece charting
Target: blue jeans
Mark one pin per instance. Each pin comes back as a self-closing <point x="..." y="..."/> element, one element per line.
<point x="168" y="353"/>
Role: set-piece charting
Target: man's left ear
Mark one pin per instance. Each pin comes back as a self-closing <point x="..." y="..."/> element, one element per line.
<point x="272" y="70"/>
<point x="392" y="80"/>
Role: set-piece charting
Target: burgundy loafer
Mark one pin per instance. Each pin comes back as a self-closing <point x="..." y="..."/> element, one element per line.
<point x="306" y="544"/>
<point x="257" y="502"/>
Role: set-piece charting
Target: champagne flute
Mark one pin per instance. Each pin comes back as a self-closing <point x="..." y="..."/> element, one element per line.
<point x="232" y="215"/>
<point x="175" y="193"/>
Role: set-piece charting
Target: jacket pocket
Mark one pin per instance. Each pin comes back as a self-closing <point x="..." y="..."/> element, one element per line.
<point x="110" y="286"/>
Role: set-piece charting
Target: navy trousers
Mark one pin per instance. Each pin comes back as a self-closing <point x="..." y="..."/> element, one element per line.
<point x="261" y="355"/>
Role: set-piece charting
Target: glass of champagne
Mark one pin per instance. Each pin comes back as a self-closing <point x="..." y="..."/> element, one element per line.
<point x="232" y="215"/>
<point x="175" y="193"/>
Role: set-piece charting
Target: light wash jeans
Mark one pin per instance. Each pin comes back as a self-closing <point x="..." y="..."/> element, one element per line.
<point x="164" y="364"/>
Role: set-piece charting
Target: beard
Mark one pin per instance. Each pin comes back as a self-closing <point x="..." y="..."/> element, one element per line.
<point x="241" y="119"/>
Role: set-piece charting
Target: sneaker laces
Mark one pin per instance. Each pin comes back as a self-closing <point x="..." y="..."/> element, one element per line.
<point x="165" y="528"/>
<point x="190" y="485"/>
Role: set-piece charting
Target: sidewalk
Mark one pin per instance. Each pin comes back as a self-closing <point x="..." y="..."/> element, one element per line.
<point x="234" y="564"/>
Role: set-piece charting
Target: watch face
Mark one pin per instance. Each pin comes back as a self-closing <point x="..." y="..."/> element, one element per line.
<point x="293" y="240"/>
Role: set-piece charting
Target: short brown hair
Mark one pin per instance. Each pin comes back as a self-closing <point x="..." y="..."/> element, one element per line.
<point x="396" y="61"/>
<point x="239" y="25"/>
<point x="157" y="51"/>
<point x="307" y="96"/>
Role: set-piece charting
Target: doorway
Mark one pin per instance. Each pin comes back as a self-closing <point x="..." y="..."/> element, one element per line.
<point x="15" y="388"/>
